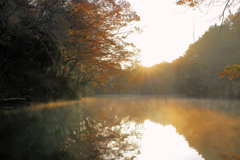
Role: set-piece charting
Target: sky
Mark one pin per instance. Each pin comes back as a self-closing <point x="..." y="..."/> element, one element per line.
<point x="168" y="29"/>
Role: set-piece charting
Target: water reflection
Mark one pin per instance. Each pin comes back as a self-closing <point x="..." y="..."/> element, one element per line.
<point x="117" y="128"/>
<point x="69" y="132"/>
<point x="162" y="142"/>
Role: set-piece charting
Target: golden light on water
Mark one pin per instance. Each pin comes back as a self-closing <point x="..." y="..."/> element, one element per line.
<point x="164" y="143"/>
<point x="176" y="129"/>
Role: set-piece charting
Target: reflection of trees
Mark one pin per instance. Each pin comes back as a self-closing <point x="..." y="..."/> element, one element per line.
<point x="97" y="134"/>
<point x="72" y="132"/>
<point x="101" y="128"/>
<point x="209" y="126"/>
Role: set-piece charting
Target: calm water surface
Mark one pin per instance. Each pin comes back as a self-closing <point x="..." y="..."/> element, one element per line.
<point x="123" y="127"/>
<point x="163" y="142"/>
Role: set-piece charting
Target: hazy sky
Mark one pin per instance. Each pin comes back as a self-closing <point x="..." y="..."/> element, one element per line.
<point x="169" y="28"/>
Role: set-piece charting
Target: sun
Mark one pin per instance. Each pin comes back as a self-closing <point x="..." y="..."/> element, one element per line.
<point x="147" y="62"/>
<point x="151" y="58"/>
<point x="168" y="30"/>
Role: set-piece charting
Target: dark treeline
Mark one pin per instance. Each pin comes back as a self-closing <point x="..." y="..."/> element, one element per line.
<point x="198" y="71"/>
<point x="53" y="49"/>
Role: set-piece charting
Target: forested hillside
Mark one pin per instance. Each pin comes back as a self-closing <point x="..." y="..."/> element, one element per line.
<point x="202" y="70"/>
<point x="197" y="71"/>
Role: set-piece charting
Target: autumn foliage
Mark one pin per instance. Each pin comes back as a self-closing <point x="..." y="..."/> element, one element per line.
<point x="230" y="71"/>
<point x="75" y="41"/>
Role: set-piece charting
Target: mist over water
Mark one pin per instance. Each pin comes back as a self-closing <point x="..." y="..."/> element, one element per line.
<point x="123" y="127"/>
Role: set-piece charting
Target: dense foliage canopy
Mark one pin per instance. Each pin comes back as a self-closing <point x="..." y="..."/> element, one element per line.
<point x="46" y="45"/>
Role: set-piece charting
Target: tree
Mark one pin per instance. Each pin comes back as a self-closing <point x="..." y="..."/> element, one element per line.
<point x="230" y="21"/>
<point x="197" y="69"/>
<point x="227" y="5"/>
<point x="233" y="23"/>
<point x="60" y="40"/>
<point x="232" y="71"/>
<point x="96" y="46"/>
<point x="30" y="35"/>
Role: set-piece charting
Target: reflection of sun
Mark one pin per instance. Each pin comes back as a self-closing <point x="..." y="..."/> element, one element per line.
<point x="162" y="142"/>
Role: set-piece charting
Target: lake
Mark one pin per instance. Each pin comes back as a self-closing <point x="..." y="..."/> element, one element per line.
<point x="124" y="127"/>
